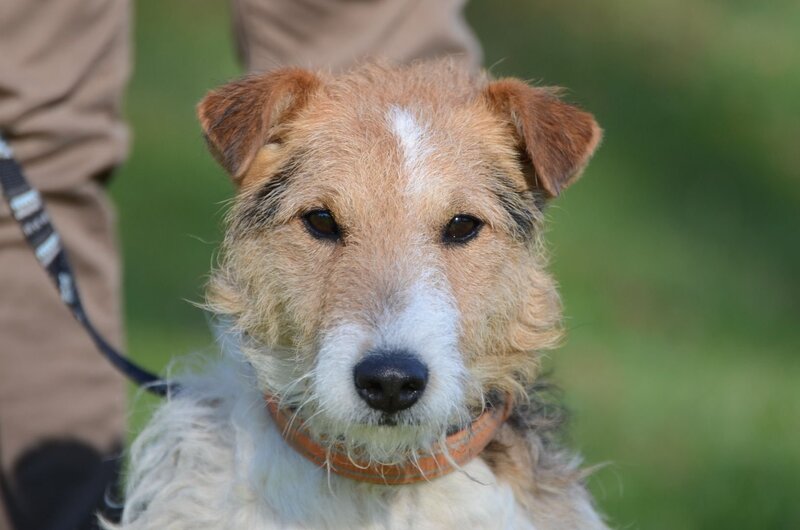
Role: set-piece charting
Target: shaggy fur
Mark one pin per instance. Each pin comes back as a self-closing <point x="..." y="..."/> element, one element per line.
<point x="393" y="154"/>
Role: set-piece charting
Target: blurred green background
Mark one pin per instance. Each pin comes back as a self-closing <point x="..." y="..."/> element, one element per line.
<point x="678" y="252"/>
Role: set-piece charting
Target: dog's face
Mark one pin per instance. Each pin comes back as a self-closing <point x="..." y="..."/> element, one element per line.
<point x="382" y="260"/>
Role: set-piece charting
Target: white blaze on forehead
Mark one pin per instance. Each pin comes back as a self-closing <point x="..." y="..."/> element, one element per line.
<point x="414" y="142"/>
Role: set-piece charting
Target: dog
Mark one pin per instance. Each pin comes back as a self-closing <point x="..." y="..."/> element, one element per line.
<point x="383" y="299"/>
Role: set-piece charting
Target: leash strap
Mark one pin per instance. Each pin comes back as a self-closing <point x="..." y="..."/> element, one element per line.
<point x="28" y="209"/>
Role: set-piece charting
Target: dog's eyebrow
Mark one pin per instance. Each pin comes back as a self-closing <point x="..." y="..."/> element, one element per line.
<point x="262" y="205"/>
<point x="523" y="207"/>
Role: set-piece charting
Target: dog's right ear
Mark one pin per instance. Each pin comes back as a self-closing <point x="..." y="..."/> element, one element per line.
<point x="240" y="118"/>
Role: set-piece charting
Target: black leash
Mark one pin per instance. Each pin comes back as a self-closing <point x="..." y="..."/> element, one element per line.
<point x="28" y="209"/>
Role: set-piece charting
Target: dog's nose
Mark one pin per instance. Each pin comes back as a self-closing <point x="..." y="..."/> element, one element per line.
<point x="390" y="381"/>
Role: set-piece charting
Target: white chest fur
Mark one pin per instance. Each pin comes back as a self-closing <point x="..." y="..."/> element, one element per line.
<point x="212" y="458"/>
<point x="303" y="497"/>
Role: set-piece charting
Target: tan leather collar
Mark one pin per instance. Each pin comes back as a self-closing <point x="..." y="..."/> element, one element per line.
<point x="462" y="447"/>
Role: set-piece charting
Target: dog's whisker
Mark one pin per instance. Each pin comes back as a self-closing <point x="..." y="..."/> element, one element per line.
<point x="415" y="461"/>
<point x="296" y="414"/>
<point x="309" y="419"/>
<point x="329" y="472"/>
<point x="307" y="398"/>
<point x="286" y="390"/>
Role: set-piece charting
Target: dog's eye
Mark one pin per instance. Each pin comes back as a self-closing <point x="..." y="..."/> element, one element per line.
<point x="461" y="229"/>
<point x="320" y="223"/>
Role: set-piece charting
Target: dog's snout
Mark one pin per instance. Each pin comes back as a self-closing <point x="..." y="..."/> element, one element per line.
<point x="390" y="381"/>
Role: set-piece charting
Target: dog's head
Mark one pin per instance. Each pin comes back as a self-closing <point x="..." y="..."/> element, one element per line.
<point x="383" y="260"/>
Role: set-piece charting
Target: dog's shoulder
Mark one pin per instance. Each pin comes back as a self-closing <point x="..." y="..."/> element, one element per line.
<point x="548" y="480"/>
<point x="183" y="459"/>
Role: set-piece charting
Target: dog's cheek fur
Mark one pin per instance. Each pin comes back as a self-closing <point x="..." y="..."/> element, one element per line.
<point x="510" y="311"/>
<point x="268" y="296"/>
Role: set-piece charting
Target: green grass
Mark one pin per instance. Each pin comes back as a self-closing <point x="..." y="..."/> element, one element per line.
<point x="678" y="253"/>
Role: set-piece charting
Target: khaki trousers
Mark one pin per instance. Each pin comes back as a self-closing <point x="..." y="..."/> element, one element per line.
<point x="64" y="65"/>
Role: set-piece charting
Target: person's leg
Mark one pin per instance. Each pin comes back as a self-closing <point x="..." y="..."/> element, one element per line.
<point x="62" y="406"/>
<point x="335" y="34"/>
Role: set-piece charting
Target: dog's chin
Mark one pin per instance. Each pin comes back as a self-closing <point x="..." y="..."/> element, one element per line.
<point x="381" y="438"/>
<point x="386" y="443"/>
<point x="387" y="420"/>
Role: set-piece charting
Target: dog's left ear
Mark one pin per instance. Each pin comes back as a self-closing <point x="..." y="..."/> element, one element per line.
<point x="559" y="139"/>
<point x="240" y="118"/>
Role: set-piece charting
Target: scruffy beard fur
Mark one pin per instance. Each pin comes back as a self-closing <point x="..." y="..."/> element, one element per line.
<point x="393" y="154"/>
<point x="363" y="434"/>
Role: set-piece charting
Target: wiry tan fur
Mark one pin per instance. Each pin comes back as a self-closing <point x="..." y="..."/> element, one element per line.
<point x="394" y="154"/>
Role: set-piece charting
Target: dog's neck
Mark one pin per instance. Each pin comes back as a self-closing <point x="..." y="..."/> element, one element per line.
<point x="458" y="449"/>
